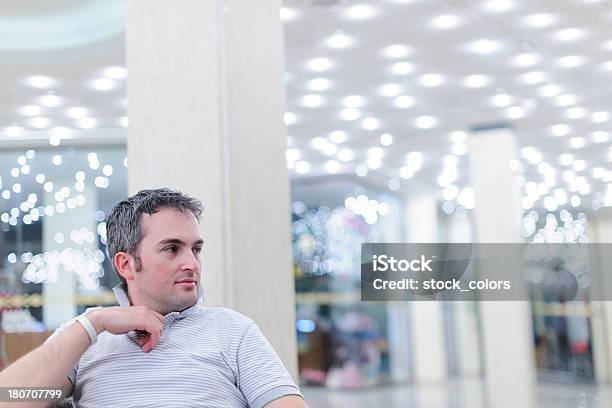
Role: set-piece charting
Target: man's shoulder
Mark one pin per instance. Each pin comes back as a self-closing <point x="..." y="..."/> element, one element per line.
<point x="227" y="317"/>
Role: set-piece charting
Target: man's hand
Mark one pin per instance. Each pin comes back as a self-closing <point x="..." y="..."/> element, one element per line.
<point x="120" y="320"/>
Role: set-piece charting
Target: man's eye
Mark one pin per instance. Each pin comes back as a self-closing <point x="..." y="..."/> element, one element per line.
<point x="197" y="250"/>
<point x="170" y="249"/>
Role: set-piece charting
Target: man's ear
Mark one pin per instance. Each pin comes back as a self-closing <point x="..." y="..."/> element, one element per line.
<point x="124" y="263"/>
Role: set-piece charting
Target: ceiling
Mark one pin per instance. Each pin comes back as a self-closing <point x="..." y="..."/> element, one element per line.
<point x="541" y="67"/>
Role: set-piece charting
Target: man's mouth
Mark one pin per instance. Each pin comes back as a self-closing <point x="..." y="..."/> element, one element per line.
<point x="187" y="282"/>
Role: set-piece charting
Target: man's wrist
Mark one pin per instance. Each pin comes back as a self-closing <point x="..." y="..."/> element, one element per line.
<point x="96" y="319"/>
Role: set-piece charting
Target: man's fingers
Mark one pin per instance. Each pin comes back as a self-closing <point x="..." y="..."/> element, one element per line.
<point x="155" y="333"/>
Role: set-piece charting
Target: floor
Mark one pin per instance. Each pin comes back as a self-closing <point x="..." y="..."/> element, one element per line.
<point x="458" y="394"/>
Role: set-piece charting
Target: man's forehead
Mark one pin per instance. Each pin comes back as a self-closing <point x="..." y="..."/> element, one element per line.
<point x="168" y="222"/>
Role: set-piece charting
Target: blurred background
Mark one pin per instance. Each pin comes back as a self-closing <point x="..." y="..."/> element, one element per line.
<point x="400" y="114"/>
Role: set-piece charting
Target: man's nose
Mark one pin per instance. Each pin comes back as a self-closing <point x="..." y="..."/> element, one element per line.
<point x="191" y="261"/>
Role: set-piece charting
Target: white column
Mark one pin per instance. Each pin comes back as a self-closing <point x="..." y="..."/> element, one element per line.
<point x="600" y="231"/>
<point x="59" y="296"/>
<point x="507" y="328"/>
<point x="206" y="101"/>
<point x="427" y="323"/>
<point x="398" y="313"/>
<point x="465" y="314"/>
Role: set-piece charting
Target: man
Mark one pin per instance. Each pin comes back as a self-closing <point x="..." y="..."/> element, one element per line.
<point x="160" y="347"/>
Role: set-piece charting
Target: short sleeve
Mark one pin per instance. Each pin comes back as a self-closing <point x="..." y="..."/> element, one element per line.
<point x="262" y="377"/>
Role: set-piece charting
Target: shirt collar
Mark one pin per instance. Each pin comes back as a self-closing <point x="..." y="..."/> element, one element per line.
<point x="120" y="292"/>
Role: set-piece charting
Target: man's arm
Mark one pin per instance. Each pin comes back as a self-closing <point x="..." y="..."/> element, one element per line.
<point x="288" y="401"/>
<point x="50" y="364"/>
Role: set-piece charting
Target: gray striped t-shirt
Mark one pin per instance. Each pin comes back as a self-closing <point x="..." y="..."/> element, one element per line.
<point x="206" y="357"/>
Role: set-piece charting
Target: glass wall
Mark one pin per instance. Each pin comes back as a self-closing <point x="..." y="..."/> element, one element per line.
<point x="53" y="205"/>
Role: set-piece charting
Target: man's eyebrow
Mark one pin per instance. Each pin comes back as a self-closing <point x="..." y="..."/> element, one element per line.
<point x="177" y="241"/>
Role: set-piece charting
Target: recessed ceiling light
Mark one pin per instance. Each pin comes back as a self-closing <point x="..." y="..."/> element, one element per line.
<point x="598" y="172"/>
<point x="370" y="123"/>
<point x="526" y="59"/>
<point x="115" y="72"/>
<point x="403" y="68"/>
<point x="414" y="161"/>
<point x="40" y="122"/>
<point x="404" y="101"/>
<point x="31" y="110"/>
<point x="425" y="122"/>
<point x="484" y="46"/>
<point x="560" y="129"/>
<point x="339" y="40"/>
<point x="502" y="100"/>
<point x="577" y="142"/>
<point x="103" y="84"/>
<point x="87" y="123"/>
<point x="40" y="81"/>
<point x="459" y="149"/>
<point x="124" y="121"/>
<point x="302" y="167"/>
<point x="476" y="81"/>
<point x="393" y="184"/>
<point x="571" y="61"/>
<point x="533" y="78"/>
<point x="353" y="101"/>
<point x="444" y="22"/>
<point x="397" y="51"/>
<point x="345" y="155"/>
<point x="338" y="136"/>
<point x="360" y="11"/>
<point x="515" y="112"/>
<point x="332" y="166"/>
<point x="319" y="84"/>
<point x="287" y="14"/>
<point x="498" y="6"/>
<point x="386" y="139"/>
<point x="14" y="131"/>
<point x="312" y="101"/>
<point x="374" y="163"/>
<point x="599" y="117"/>
<point x="458" y="136"/>
<point x="350" y="114"/>
<point x="431" y="80"/>
<point x="576" y="112"/>
<point x="50" y="100"/>
<point x="540" y="20"/>
<point x="361" y="170"/>
<point x="329" y="149"/>
<point x="390" y="90"/>
<point x="406" y="172"/>
<point x="579" y="165"/>
<point x="566" y="159"/>
<point x="565" y="100"/>
<point x="57" y="134"/>
<point x="289" y="118"/>
<point x="550" y="90"/>
<point x="318" y="143"/>
<point x="76" y="112"/>
<point x="319" y="64"/>
<point x="569" y="34"/>
<point x="600" y="136"/>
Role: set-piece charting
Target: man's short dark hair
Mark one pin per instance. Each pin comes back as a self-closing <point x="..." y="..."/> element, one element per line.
<point x="123" y="225"/>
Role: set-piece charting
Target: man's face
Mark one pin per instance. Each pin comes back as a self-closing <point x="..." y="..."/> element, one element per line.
<point x="169" y="252"/>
